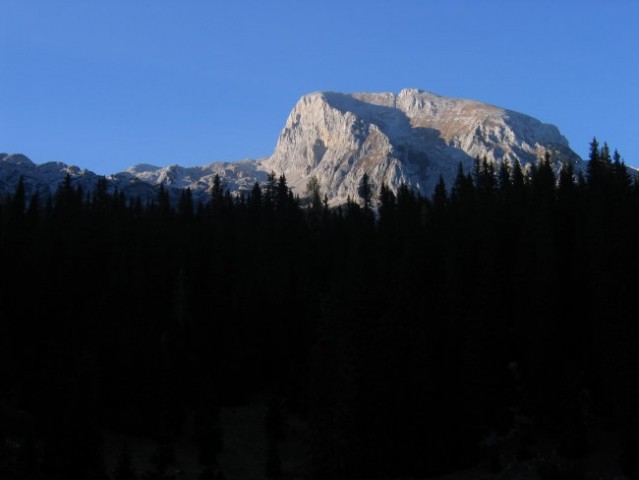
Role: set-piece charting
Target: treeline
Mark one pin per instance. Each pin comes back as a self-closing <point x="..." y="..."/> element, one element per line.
<point x="413" y="336"/>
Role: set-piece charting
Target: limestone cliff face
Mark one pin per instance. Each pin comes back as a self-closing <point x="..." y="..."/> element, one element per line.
<point x="410" y="137"/>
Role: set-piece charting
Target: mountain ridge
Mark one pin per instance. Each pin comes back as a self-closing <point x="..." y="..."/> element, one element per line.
<point x="410" y="137"/>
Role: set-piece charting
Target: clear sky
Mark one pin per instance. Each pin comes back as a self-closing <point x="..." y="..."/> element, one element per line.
<point x="111" y="83"/>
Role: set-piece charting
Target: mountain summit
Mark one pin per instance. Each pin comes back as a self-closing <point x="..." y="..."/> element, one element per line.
<point x="411" y="137"/>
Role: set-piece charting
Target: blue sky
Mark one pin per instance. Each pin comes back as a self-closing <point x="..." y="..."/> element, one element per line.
<point x="108" y="84"/>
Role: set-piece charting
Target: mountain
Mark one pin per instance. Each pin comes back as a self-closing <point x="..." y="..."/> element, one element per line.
<point x="411" y="137"/>
<point x="239" y="176"/>
<point x="141" y="180"/>
<point x="43" y="178"/>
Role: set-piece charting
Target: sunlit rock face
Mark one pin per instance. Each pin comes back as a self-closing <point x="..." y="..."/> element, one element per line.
<point x="412" y="137"/>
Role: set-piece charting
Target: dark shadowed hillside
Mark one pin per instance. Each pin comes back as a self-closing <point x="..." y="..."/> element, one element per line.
<point x="489" y="328"/>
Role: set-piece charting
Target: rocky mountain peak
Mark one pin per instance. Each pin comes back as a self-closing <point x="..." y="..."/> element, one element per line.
<point x="411" y="137"/>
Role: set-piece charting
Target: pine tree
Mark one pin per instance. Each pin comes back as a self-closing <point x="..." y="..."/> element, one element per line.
<point x="33" y="212"/>
<point x="566" y="177"/>
<point x="100" y="198"/>
<point x="255" y="199"/>
<point x="164" y="203"/>
<point x="282" y="199"/>
<point x="313" y="193"/>
<point x="387" y="206"/>
<point x="18" y="202"/>
<point x="621" y="177"/>
<point x="544" y="177"/>
<point x="365" y="191"/>
<point x="440" y="196"/>
<point x="270" y="191"/>
<point x="217" y="192"/>
<point x="484" y="175"/>
<point x="519" y="178"/>
<point x="185" y="205"/>
<point x="599" y="166"/>
<point x="463" y="192"/>
<point x="67" y="199"/>
<point x="504" y="179"/>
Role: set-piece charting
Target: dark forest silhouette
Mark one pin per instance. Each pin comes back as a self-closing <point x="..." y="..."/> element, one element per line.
<point x="405" y="333"/>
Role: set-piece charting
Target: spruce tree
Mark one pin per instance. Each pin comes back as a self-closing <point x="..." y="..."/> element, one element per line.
<point x="440" y="196"/>
<point x="313" y="193"/>
<point x="282" y="199"/>
<point x="270" y="191"/>
<point x="164" y="204"/>
<point x="504" y="179"/>
<point x="19" y="199"/>
<point x="365" y="191"/>
<point x="217" y="192"/>
<point x="185" y="205"/>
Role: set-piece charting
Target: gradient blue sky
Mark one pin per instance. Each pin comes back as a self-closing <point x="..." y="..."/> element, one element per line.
<point x="108" y="84"/>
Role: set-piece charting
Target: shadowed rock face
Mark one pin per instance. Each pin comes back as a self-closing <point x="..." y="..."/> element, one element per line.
<point x="411" y="137"/>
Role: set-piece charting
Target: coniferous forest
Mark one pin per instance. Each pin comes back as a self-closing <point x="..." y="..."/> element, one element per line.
<point x="414" y="335"/>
